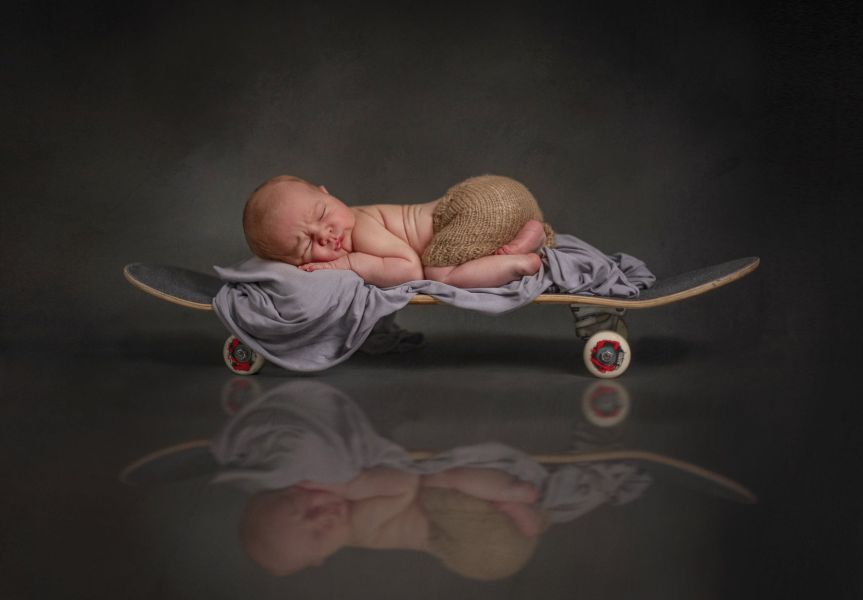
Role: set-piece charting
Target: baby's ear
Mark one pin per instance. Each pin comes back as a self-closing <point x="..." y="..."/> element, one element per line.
<point x="323" y="189"/>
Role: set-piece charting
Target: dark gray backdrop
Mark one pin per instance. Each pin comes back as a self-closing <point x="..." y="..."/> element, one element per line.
<point x="684" y="135"/>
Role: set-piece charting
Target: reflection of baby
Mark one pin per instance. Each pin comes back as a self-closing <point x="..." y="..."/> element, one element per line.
<point x="481" y="523"/>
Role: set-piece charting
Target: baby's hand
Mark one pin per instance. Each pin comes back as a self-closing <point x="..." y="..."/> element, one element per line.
<point x="485" y="483"/>
<point x="340" y="263"/>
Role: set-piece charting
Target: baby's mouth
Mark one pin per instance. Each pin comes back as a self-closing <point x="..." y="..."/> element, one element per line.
<point x="339" y="242"/>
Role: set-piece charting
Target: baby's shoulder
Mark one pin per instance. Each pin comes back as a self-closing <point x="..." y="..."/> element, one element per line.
<point x="377" y="212"/>
<point x="388" y="216"/>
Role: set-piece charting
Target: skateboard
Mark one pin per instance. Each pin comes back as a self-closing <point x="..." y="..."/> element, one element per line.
<point x="599" y="321"/>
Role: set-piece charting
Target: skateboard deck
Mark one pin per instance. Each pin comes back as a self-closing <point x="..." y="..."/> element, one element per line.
<point x="193" y="458"/>
<point x="599" y="320"/>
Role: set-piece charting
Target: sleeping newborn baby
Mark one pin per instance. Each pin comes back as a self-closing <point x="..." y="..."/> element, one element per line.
<point x="484" y="232"/>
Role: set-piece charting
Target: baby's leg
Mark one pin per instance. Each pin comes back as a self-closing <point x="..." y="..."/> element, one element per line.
<point x="486" y="271"/>
<point x="528" y="239"/>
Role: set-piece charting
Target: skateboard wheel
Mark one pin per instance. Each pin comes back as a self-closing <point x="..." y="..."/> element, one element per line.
<point x="605" y="403"/>
<point x="607" y="354"/>
<point x="241" y="359"/>
<point x="239" y="392"/>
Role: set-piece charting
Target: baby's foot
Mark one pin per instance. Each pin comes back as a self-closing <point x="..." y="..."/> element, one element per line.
<point x="529" y="238"/>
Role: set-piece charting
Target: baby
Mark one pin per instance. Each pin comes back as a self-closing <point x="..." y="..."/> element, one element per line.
<point x="291" y="220"/>
<point x="290" y="529"/>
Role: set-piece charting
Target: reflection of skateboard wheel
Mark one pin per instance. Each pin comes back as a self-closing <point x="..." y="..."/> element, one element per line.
<point x="241" y="359"/>
<point x="607" y="354"/>
<point x="605" y="403"/>
<point x="238" y="392"/>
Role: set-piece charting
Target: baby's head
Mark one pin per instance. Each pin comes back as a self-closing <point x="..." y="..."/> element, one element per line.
<point x="288" y="530"/>
<point x="293" y="221"/>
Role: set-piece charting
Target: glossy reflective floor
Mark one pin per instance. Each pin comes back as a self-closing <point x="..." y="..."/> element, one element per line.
<point x="147" y="474"/>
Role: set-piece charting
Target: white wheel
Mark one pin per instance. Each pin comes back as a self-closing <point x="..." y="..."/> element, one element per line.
<point x="605" y="403"/>
<point x="241" y="359"/>
<point x="607" y="354"/>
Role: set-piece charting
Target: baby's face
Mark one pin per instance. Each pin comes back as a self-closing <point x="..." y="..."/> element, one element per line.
<point x="300" y="528"/>
<point x="310" y="225"/>
<point x="322" y="523"/>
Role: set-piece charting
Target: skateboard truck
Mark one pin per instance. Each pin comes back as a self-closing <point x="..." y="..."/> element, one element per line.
<point x="591" y="319"/>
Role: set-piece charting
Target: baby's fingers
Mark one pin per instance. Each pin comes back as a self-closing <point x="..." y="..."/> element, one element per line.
<point x="309" y="267"/>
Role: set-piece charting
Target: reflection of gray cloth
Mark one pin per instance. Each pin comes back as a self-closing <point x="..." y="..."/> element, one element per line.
<point x="566" y="493"/>
<point x="301" y="430"/>
<point x="308" y="430"/>
<point x="577" y="489"/>
<point x="311" y="321"/>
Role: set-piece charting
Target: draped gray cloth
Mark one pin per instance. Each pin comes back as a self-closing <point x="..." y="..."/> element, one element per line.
<point x="312" y="321"/>
<point x="306" y="430"/>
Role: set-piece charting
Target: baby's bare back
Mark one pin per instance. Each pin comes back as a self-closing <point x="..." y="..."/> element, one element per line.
<point x="412" y="223"/>
<point x="381" y="523"/>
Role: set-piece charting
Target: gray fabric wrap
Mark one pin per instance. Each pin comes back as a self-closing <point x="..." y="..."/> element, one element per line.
<point x="312" y="321"/>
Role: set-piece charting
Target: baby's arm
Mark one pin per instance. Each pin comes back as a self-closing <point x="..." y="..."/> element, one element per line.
<point x="381" y="481"/>
<point x="379" y="256"/>
<point x="385" y="512"/>
<point x="486" y="484"/>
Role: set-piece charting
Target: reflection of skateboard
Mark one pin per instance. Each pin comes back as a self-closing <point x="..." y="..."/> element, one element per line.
<point x="193" y="459"/>
<point x="598" y="320"/>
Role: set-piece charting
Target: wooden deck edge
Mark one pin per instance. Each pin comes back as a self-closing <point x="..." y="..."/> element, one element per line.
<point x="162" y="295"/>
<point x="623" y="302"/>
<point x="550" y="460"/>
